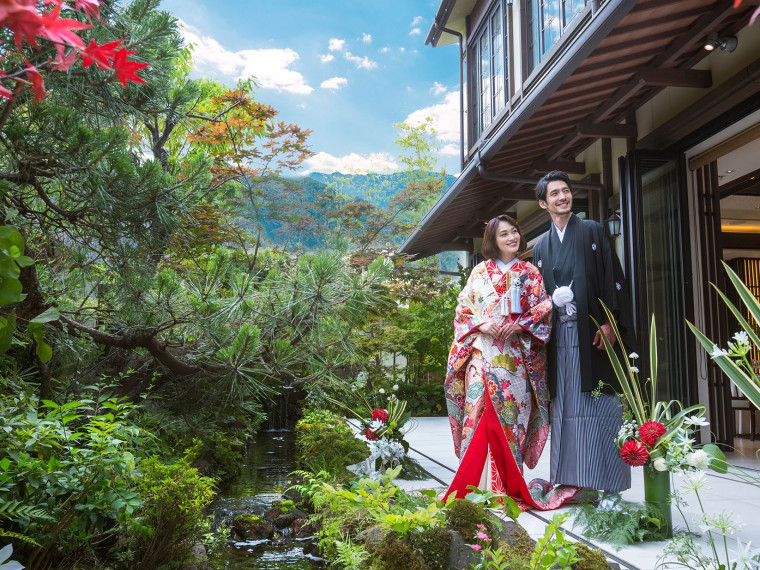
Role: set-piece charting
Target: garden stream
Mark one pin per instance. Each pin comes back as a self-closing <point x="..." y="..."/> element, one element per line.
<point x="268" y="462"/>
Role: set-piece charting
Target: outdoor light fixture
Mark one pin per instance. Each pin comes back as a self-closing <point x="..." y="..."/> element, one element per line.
<point x="613" y="225"/>
<point x="728" y="43"/>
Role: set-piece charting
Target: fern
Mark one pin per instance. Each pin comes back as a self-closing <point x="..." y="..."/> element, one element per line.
<point x="18" y="510"/>
<point x="620" y="525"/>
<point x="18" y="536"/>
<point x="350" y="556"/>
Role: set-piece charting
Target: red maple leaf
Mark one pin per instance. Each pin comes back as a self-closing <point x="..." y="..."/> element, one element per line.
<point x="126" y="70"/>
<point x="57" y="29"/>
<point x="90" y="8"/>
<point x="23" y="21"/>
<point x="64" y="62"/>
<point x="5" y="92"/>
<point x="101" y="55"/>
<point x="38" y="85"/>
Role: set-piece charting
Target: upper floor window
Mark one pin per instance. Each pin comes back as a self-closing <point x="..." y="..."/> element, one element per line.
<point x="546" y="19"/>
<point x="489" y="79"/>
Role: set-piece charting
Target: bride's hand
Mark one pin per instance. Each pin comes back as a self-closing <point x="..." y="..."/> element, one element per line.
<point x="491" y="328"/>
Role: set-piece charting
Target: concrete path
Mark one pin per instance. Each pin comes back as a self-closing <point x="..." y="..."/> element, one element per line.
<point x="431" y="445"/>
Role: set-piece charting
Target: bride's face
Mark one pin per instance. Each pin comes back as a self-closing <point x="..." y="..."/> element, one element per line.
<point x="507" y="240"/>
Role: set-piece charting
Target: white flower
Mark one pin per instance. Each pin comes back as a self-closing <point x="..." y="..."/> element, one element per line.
<point x="634" y="369"/>
<point x="633" y="356"/>
<point x="696" y="421"/>
<point x="741" y="337"/>
<point x="745" y="554"/>
<point x="716" y="352"/>
<point x="698" y="459"/>
<point x="395" y="387"/>
<point x="659" y="464"/>
<point x="694" y="481"/>
<point x="381" y="391"/>
<point x="375" y="425"/>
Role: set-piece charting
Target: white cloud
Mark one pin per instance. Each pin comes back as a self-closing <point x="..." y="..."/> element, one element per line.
<point x="361" y="62"/>
<point x="351" y="163"/>
<point x="326" y="58"/>
<point x="367" y="38"/>
<point x="415" y="32"/>
<point x="336" y="44"/>
<point x="438" y="89"/>
<point x="417" y="20"/>
<point x="450" y="149"/>
<point x="402" y="49"/>
<point x="270" y="67"/>
<point x="385" y="50"/>
<point x="334" y="83"/>
<point x="445" y="117"/>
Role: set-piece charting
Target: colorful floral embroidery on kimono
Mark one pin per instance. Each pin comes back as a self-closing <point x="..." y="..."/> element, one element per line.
<point x="496" y="391"/>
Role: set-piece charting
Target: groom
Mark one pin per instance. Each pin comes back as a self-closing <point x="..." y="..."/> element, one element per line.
<point x="580" y="271"/>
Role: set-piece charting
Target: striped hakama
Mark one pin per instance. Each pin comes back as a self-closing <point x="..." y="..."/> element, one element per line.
<point x="583" y="428"/>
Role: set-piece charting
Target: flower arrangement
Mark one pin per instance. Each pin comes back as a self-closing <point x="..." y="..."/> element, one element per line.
<point x="382" y="431"/>
<point x="657" y="434"/>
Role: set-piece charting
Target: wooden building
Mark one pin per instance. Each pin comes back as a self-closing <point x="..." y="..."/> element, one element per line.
<point x="653" y="107"/>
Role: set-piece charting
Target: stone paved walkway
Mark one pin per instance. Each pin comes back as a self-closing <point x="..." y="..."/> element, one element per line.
<point x="431" y="445"/>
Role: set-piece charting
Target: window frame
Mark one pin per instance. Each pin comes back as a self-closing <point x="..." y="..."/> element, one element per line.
<point x="479" y="123"/>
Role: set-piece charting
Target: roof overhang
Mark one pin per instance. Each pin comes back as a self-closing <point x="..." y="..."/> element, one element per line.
<point x="613" y="62"/>
<point x="451" y="16"/>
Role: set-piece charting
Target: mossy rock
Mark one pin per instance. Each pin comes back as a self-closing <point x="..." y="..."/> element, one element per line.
<point x="434" y="543"/>
<point x="464" y="516"/>
<point x="590" y="559"/>
<point x="517" y="539"/>
<point x="395" y="553"/>
<point x="252" y="527"/>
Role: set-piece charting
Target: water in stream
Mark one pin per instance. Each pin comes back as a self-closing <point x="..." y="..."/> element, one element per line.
<point x="268" y="462"/>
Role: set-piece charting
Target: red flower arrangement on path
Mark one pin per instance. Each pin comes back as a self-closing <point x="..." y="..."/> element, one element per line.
<point x="379" y="414"/>
<point x="634" y="453"/>
<point x="650" y="432"/>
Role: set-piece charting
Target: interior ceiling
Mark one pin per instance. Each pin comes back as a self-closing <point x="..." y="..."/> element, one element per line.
<point x="658" y="34"/>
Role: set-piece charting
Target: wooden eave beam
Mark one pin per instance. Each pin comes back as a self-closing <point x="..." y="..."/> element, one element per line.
<point x="569" y="166"/>
<point x="740" y="87"/>
<point x="696" y="34"/>
<point x="697" y="78"/>
<point x="605" y="130"/>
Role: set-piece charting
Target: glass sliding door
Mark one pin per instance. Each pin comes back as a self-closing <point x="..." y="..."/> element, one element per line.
<point x="655" y="212"/>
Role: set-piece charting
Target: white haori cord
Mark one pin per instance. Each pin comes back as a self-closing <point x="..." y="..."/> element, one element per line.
<point x="564" y="297"/>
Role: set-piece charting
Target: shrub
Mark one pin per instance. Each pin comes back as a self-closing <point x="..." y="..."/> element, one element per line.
<point x="327" y="443"/>
<point x="173" y="516"/>
<point x="423" y="399"/>
<point x="71" y="464"/>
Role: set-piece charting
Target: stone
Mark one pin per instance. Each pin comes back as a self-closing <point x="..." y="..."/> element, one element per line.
<point x="461" y="555"/>
<point x="373" y="538"/>
<point x="286" y="520"/>
<point x="302" y="528"/>
<point x="252" y="527"/>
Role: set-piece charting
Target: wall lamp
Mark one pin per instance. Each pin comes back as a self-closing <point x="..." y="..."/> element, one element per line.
<point x="728" y="43"/>
<point x="613" y="225"/>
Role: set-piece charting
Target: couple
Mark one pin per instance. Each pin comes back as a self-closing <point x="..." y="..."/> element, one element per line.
<point x="515" y="347"/>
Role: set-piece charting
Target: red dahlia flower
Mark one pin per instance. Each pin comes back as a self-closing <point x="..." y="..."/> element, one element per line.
<point x="634" y="453"/>
<point x="369" y="434"/>
<point x="379" y="414"/>
<point x="650" y="432"/>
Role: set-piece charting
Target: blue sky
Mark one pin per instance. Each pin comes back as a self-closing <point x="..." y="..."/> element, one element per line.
<point x="346" y="69"/>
